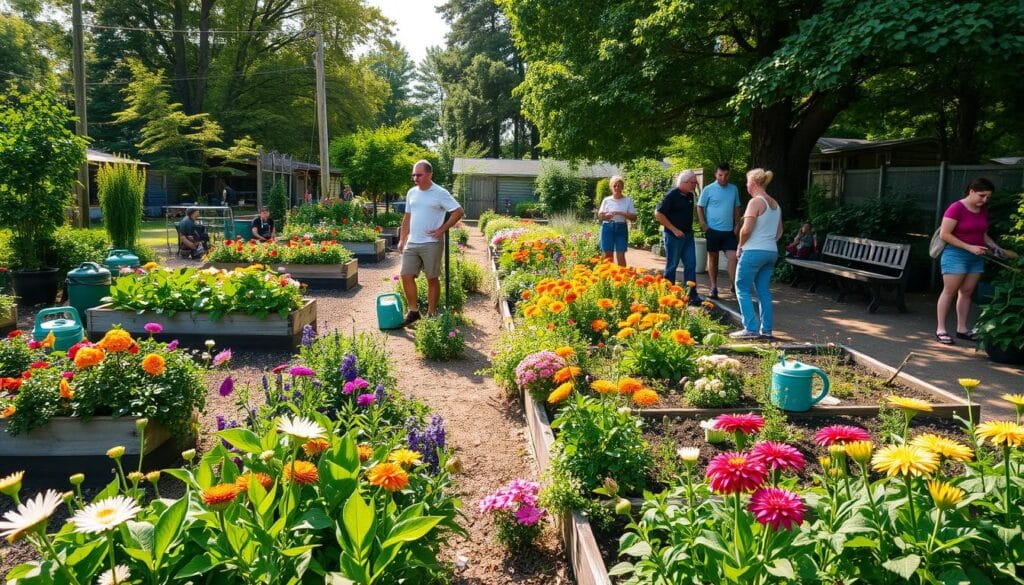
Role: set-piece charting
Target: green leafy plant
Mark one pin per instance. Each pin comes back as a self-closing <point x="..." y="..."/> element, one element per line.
<point x="486" y="217"/>
<point x="558" y="188"/>
<point x="35" y="127"/>
<point x="275" y="254"/>
<point x="68" y="247"/>
<point x="343" y="232"/>
<point x="16" y="355"/>
<point x="1001" y="322"/>
<point x="121" y="188"/>
<point x="278" y="205"/>
<point x="440" y="337"/>
<point x="389" y="219"/>
<point x="647" y="182"/>
<point x="459" y="235"/>
<point x="601" y="190"/>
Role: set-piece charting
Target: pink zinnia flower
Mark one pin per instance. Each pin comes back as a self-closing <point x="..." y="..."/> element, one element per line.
<point x="528" y="515"/>
<point x="366" y="399"/>
<point x="778" y="508"/>
<point x="748" y="424"/>
<point x="734" y="472"/>
<point x="153" y="328"/>
<point x="173" y="345"/>
<point x="840" y="434"/>
<point x="778" y="456"/>
<point x="222" y="358"/>
<point x="301" y="371"/>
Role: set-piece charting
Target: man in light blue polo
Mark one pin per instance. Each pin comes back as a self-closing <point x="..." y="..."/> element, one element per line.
<point x="718" y="211"/>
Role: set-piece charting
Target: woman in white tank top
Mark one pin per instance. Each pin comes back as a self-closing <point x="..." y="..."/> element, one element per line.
<point x="758" y="251"/>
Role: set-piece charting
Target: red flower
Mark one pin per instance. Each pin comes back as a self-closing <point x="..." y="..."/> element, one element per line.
<point x="73" y="350"/>
<point x="26" y="374"/>
<point x="279" y="369"/>
<point x="13" y="334"/>
<point x="344" y="220"/>
<point x="733" y="472"/>
<point x="840" y="434"/>
<point x="777" y="508"/>
<point x="134" y="349"/>
<point x="10" y="384"/>
<point x="747" y="424"/>
<point x="778" y="456"/>
<point x="273" y="253"/>
<point x="39" y="365"/>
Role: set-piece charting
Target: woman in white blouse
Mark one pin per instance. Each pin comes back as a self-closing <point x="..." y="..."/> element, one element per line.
<point x="614" y="212"/>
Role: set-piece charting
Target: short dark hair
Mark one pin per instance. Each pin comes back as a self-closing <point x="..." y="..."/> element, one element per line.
<point x="723" y="166"/>
<point x="190" y="210"/>
<point x="980" y="184"/>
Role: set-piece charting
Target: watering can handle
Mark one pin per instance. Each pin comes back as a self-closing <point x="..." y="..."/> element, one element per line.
<point x="824" y="389"/>
<point x="91" y="266"/>
<point x="118" y="252"/>
<point x="70" y="311"/>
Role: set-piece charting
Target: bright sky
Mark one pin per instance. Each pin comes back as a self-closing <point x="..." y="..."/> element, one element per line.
<point x="417" y="24"/>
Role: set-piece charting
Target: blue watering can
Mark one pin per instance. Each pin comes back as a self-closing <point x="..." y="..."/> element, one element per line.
<point x="792" y="382"/>
<point x="389" y="311"/>
<point x="67" y="330"/>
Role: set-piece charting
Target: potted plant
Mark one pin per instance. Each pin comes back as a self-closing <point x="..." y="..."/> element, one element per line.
<point x="39" y="156"/>
<point x="1000" y="324"/>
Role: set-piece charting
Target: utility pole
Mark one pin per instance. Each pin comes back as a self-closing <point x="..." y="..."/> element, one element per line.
<point x="81" y="126"/>
<point x="321" y="117"/>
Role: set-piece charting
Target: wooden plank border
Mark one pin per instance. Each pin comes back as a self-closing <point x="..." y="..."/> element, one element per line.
<point x="315" y="276"/>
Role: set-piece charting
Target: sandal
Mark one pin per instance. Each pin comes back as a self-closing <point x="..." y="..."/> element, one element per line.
<point x="970" y="336"/>
<point x="944" y="339"/>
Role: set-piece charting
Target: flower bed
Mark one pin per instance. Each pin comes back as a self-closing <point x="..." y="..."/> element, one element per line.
<point x="8" y="314"/>
<point x="363" y="240"/>
<point x="327" y="265"/>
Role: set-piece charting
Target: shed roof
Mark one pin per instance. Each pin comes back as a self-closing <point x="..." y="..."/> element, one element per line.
<point x="840" y="145"/>
<point x="526" y="168"/>
<point x="98" y="156"/>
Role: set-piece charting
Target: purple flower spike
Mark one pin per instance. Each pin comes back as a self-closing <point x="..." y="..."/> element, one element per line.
<point x="222" y="358"/>
<point x="301" y="371"/>
<point x="227" y="386"/>
<point x="173" y="345"/>
<point x="366" y="399"/>
<point x="153" y="328"/>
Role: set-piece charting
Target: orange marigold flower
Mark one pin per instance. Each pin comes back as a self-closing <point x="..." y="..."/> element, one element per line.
<point x="48" y="341"/>
<point x="220" y="496"/>
<point x="638" y="308"/>
<point x="625" y="333"/>
<point x="65" y="390"/>
<point x="567" y="373"/>
<point x="153" y="364"/>
<point x="655" y="334"/>
<point x="645" y="397"/>
<point x="667" y="300"/>
<point x="116" y="340"/>
<point x="629" y="386"/>
<point x="365" y="452"/>
<point x="570" y="297"/>
<point x="633" y="319"/>
<point x="302" y="472"/>
<point x="556" y="307"/>
<point x="315" y="447"/>
<point x="561" y="393"/>
<point x="598" y="325"/>
<point x="531" y="311"/>
<point x="89" y="356"/>
<point x="565" y="352"/>
<point x="605" y="303"/>
<point x="525" y="295"/>
<point x="683" y="337"/>
<point x="242" y="481"/>
<point x="389" y="476"/>
<point x="603" y="386"/>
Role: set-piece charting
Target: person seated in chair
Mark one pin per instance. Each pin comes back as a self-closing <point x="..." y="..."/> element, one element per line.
<point x="263" y="227"/>
<point x="192" y="235"/>
<point x="805" y="244"/>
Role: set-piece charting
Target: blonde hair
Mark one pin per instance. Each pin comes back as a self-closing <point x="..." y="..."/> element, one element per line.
<point x="760" y="176"/>
<point x="616" y="179"/>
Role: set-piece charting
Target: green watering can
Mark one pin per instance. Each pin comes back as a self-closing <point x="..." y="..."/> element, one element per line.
<point x="389" y="311"/>
<point x="792" y="382"/>
<point x="67" y="329"/>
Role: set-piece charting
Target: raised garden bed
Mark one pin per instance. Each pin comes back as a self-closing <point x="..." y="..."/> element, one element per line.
<point x="367" y="251"/>
<point x="193" y="329"/>
<point x="67" y="445"/>
<point x="315" y="276"/>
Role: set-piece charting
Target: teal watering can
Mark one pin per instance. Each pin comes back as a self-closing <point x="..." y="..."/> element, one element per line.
<point x="67" y="329"/>
<point x="792" y="382"/>
<point x="389" y="311"/>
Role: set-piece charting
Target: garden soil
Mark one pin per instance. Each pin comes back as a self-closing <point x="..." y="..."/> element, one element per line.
<point x="487" y="431"/>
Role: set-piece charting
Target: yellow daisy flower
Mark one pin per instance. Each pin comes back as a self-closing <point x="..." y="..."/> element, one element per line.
<point x="968" y="383"/>
<point x="905" y="403"/>
<point x="904" y="460"/>
<point x="1001" y="432"/>
<point x="944" y="495"/>
<point x="859" y="451"/>
<point x="943" y="446"/>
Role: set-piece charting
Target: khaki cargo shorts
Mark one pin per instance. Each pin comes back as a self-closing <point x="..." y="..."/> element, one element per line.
<point x="425" y="257"/>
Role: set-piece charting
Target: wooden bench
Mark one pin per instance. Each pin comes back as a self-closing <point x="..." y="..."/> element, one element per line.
<point x="881" y="266"/>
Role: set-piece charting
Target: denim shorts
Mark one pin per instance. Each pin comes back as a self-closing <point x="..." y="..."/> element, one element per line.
<point x="959" y="261"/>
<point x="614" y="236"/>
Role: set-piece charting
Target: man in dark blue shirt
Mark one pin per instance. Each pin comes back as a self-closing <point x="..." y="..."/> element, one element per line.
<point x="263" y="226"/>
<point x="675" y="214"/>
<point x="192" y="235"/>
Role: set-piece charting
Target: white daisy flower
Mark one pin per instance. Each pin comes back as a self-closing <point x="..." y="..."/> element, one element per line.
<point x="105" y="514"/>
<point x="29" y="515"/>
<point x="119" y="574"/>
<point x="688" y="454"/>
<point x="300" y="428"/>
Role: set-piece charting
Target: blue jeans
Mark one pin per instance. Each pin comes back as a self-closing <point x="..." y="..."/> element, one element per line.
<point x="755" y="269"/>
<point x="683" y="249"/>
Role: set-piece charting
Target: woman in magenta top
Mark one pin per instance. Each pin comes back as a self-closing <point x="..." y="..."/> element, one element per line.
<point x="965" y="230"/>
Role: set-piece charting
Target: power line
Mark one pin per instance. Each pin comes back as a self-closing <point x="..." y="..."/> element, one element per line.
<point x="194" y="77"/>
<point x="189" y="30"/>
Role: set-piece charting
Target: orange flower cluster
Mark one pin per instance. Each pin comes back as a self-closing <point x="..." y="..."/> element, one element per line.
<point x="315" y="447"/>
<point x="220" y="496"/>
<point x="301" y="472"/>
<point x="242" y="481"/>
<point x="389" y="476"/>
<point x="154" y="364"/>
<point x="89" y="356"/>
<point x="116" y="340"/>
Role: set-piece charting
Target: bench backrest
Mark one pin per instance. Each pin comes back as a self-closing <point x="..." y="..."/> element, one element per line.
<point x="873" y="252"/>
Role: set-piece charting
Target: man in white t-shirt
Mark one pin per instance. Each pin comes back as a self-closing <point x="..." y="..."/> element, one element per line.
<point x="421" y="239"/>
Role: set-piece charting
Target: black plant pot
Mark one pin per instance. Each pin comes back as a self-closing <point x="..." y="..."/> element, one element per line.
<point x="33" y="287"/>
<point x="1013" y="356"/>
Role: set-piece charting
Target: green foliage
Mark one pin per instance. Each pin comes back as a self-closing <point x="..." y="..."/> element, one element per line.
<point x="500" y="223"/>
<point x="647" y="182"/>
<point x="121" y="188"/>
<point x="601" y="190"/>
<point x="470" y="273"/>
<point x="459" y="235"/>
<point x="276" y="254"/>
<point x="816" y="202"/>
<point x="39" y="156"/>
<point x="440" y="337"/>
<point x="587" y="426"/>
<point x="558" y="188"/>
<point x="889" y="220"/>
<point x="389" y="219"/>
<point x="24" y="58"/>
<point x="278" y="204"/>
<point x="377" y="161"/>
<point x="15" y="355"/>
<point x="335" y="212"/>
<point x="528" y="209"/>
<point x="68" y="247"/>
<point x="485" y="217"/>
<point x="520" y="342"/>
<point x="1001" y="322"/>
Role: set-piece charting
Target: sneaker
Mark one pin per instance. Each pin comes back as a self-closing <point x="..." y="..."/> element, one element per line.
<point x="768" y="336"/>
<point x="695" y="300"/>
<point x="714" y="294"/>
<point x="410" y="318"/>
<point x="744" y="334"/>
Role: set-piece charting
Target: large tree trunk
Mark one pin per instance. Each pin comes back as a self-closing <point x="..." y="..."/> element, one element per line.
<point x="965" y="135"/>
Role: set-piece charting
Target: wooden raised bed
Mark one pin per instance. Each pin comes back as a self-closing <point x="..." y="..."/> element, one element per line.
<point x="193" y="329"/>
<point x="367" y="251"/>
<point x="9" y="322"/>
<point x="67" y="445"/>
<point x="316" y="276"/>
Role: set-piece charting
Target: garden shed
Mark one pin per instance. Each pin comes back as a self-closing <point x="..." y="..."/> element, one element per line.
<point x="499" y="184"/>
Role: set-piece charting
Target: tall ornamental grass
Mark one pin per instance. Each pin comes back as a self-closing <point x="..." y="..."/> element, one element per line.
<point x="121" y="187"/>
